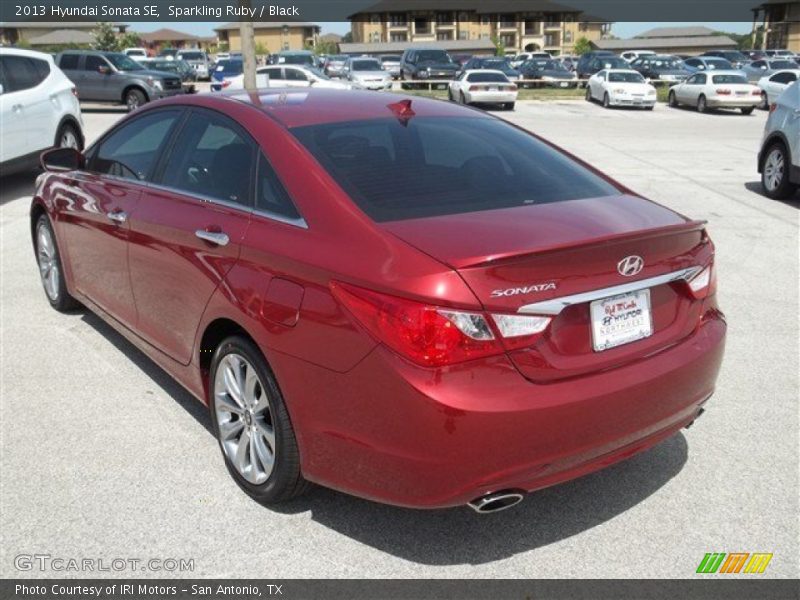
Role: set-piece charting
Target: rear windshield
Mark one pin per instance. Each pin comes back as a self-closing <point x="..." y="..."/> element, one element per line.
<point x="366" y="65"/>
<point x="718" y="63"/>
<point x="432" y="166"/>
<point x="230" y="66"/>
<point x="782" y="64"/>
<point x="390" y="59"/>
<point x="433" y="56"/>
<point x="192" y="55"/>
<point x="487" y="77"/>
<point x="729" y="79"/>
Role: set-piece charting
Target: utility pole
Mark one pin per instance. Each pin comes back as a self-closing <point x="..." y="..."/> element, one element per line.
<point x="247" y="35"/>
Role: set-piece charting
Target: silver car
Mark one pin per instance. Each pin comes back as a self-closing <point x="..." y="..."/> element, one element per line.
<point x="391" y="64"/>
<point x="367" y="73"/>
<point x="198" y="60"/>
<point x="767" y="66"/>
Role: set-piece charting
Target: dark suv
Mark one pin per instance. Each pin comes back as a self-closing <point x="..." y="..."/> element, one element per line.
<point x="115" y="77"/>
<point x="427" y="63"/>
<point x="588" y="64"/>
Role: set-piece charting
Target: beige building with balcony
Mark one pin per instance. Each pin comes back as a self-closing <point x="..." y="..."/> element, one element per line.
<point x="545" y="26"/>
<point x="780" y="20"/>
<point x="290" y="35"/>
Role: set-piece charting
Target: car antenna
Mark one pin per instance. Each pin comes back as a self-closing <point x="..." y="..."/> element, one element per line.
<point x="403" y="110"/>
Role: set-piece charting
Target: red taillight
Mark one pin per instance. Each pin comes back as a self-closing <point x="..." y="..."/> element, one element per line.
<point x="225" y="83"/>
<point x="474" y="88"/>
<point x="512" y="87"/>
<point x="428" y="335"/>
<point x="757" y="92"/>
<point x="704" y="283"/>
<point x="772" y="107"/>
<point x="723" y="92"/>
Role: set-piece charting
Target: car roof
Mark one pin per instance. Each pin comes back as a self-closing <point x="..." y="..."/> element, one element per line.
<point x="621" y="71"/>
<point x="297" y="107"/>
<point x="725" y="72"/>
<point x="495" y="71"/>
<point x="25" y="52"/>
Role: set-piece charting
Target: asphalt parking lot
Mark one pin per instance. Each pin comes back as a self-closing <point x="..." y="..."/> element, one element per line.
<point x="104" y="456"/>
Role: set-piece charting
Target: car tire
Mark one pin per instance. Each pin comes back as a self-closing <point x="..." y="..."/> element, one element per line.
<point x="775" y="173"/>
<point x="764" y="101"/>
<point x="747" y="110"/>
<point x="702" y="106"/>
<point x="51" y="271"/>
<point x="672" y="100"/>
<point x="589" y="94"/>
<point x="606" y="101"/>
<point x="450" y="95"/>
<point x="254" y="431"/>
<point x="649" y="107"/>
<point x="508" y="106"/>
<point x="68" y="136"/>
<point x="462" y="99"/>
<point x="134" y="99"/>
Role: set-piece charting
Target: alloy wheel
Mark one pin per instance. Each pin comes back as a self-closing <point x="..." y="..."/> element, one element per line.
<point x="774" y="169"/>
<point x="244" y="418"/>
<point x="68" y="139"/>
<point x="48" y="262"/>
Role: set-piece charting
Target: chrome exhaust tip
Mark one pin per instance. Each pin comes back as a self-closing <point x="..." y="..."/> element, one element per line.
<point x="496" y="501"/>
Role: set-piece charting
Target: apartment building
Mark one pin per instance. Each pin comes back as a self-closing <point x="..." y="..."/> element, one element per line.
<point x="273" y="36"/>
<point x="547" y="26"/>
<point x="780" y="22"/>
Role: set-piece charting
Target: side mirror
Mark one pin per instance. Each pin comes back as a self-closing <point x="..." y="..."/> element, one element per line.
<point x="103" y="70"/>
<point x="59" y="160"/>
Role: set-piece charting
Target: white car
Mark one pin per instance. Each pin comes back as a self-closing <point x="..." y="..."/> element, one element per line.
<point x="288" y="76"/>
<point x="621" y="87"/>
<point x="717" y="89"/>
<point x="367" y="73"/>
<point x="773" y="85"/>
<point x="484" y="86"/>
<point x="779" y="158"/>
<point x="135" y="53"/>
<point x="38" y="109"/>
<point x="632" y="55"/>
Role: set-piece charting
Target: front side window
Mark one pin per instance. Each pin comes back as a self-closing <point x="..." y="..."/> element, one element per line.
<point x="123" y="62"/>
<point x="426" y="166"/>
<point x="131" y="151"/>
<point x="94" y="62"/>
<point x="211" y="157"/>
<point x="295" y="75"/>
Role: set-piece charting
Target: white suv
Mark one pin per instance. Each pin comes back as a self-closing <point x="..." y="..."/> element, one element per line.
<point x="779" y="159"/>
<point x="38" y="109"/>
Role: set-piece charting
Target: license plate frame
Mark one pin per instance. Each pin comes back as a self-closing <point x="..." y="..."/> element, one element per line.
<point x="640" y="326"/>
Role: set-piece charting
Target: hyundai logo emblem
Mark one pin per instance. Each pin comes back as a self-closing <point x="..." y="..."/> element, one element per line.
<point x="630" y="265"/>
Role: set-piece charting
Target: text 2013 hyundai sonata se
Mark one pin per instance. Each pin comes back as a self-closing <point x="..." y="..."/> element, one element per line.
<point x="406" y="300"/>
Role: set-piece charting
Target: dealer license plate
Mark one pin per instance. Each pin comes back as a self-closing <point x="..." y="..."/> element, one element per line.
<point x="563" y="84"/>
<point x="621" y="320"/>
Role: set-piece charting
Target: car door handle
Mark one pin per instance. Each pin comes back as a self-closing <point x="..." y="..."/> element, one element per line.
<point x="215" y="237"/>
<point x="118" y="216"/>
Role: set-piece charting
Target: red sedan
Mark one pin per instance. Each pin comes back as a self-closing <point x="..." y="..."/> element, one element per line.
<point x="407" y="300"/>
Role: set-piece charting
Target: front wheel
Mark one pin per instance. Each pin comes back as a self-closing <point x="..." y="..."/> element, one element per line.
<point x="50" y="269"/>
<point x="462" y="98"/>
<point x="764" y="101"/>
<point x="672" y="100"/>
<point x="252" y="424"/>
<point x="748" y="110"/>
<point x="606" y="101"/>
<point x="68" y="136"/>
<point x="775" y="173"/>
<point x="134" y="99"/>
<point x="702" y="106"/>
<point x="588" y="93"/>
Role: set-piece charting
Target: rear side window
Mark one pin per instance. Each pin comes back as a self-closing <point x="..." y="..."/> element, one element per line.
<point x="271" y="196"/>
<point x="22" y="72"/>
<point x="130" y="152"/>
<point x="211" y="157"/>
<point x="441" y="166"/>
<point x="94" y="62"/>
<point x="69" y="62"/>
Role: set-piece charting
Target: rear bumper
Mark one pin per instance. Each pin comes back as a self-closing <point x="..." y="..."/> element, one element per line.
<point x="733" y="102"/>
<point x="492" y="97"/>
<point x="625" y="101"/>
<point x="393" y="432"/>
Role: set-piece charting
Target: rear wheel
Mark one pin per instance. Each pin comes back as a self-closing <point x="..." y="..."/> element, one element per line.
<point x="606" y="101"/>
<point x="68" y="137"/>
<point x="588" y="94"/>
<point x="775" y="173"/>
<point x="764" y="101"/>
<point x="508" y="106"/>
<point x="461" y="98"/>
<point x="747" y="110"/>
<point x="672" y="100"/>
<point x="701" y="104"/>
<point x="50" y="270"/>
<point x="252" y="424"/>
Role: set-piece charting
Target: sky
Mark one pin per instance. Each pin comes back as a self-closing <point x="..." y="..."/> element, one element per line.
<point x="622" y="30"/>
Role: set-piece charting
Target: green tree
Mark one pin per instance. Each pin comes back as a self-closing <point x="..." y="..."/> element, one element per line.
<point x="347" y="38"/>
<point x="499" y="47"/>
<point x="105" y="38"/>
<point x="261" y="49"/>
<point x="128" y="40"/>
<point x="326" y="47"/>
<point x="582" y="46"/>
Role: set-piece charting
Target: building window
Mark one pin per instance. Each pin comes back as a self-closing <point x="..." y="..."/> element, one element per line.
<point x="422" y="26"/>
<point x="399" y="37"/>
<point x="551" y="39"/>
<point x="485" y="20"/>
<point x="463" y="35"/>
<point x="375" y="19"/>
<point x="444" y="18"/>
<point x="568" y="37"/>
<point x="509" y="40"/>
<point x="507" y="21"/>
<point x="533" y="28"/>
<point x="484" y="36"/>
<point x="444" y="36"/>
<point x="398" y="20"/>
